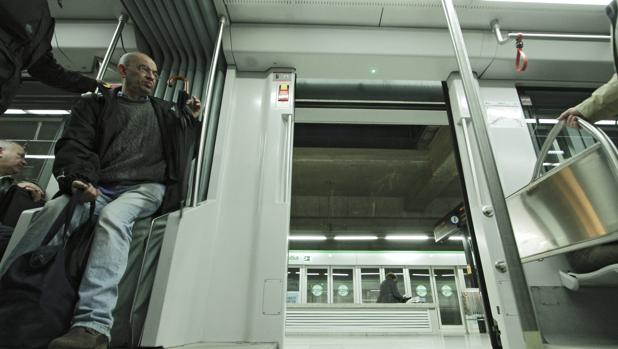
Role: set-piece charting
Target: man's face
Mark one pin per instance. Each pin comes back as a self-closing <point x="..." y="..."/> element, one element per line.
<point x="12" y="159"/>
<point x="141" y="76"/>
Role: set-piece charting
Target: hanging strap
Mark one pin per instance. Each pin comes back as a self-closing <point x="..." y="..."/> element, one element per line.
<point x="521" y="60"/>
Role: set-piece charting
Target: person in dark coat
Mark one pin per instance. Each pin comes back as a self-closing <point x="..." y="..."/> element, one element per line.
<point x="26" y="31"/>
<point x="389" y="292"/>
<point x="124" y="149"/>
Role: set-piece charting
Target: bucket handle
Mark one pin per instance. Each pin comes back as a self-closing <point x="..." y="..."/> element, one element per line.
<point x="608" y="146"/>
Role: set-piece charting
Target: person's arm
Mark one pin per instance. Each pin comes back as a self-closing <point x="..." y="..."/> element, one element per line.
<point x="48" y="71"/>
<point x="601" y="105"/>
<point x="76" y="155"/>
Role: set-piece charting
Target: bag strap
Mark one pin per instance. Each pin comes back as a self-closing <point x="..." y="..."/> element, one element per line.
<point x="65" y="218"/>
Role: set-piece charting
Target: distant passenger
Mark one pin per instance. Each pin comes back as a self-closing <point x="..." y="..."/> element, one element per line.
<point x="603" y="103"/>
<point x="119" y="146"/>
<point x="26" y="31"/>
<point x="389" y="292"/>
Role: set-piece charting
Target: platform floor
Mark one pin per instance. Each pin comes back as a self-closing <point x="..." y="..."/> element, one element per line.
<point x="473" y="341"/>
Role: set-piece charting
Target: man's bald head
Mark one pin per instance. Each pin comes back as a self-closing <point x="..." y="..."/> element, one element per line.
<point x="139" y="74"/>
<point x="135" y="57"/>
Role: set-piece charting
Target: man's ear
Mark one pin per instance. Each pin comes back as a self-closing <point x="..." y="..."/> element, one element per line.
<point x="122" y="70"/>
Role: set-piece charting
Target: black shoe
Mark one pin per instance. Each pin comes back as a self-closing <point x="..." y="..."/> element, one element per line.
<point x="80" y="338"/>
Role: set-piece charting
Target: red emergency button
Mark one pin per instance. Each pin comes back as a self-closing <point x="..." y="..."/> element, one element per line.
<point x="283" y="94"/>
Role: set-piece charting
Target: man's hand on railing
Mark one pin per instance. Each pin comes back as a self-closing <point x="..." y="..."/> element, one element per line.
<point x="570" y="116"/>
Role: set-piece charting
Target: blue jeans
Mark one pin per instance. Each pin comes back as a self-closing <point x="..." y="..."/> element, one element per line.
<point x="118" y="208"/>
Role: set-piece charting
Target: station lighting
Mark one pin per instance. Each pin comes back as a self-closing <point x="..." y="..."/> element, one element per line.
<point x="356" y="237"/>
<point x="407" y="237"/>
<point x="460" y="238"/>
<point x="307" y="237"/>
<point x="559" y="2"/>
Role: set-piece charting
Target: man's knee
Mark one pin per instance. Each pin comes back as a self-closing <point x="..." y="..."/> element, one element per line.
<point x="112" y="223"/>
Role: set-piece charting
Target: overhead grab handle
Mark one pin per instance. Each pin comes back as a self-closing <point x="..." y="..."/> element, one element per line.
<point x="174" y="78"/>
<point x="521" y="60"/>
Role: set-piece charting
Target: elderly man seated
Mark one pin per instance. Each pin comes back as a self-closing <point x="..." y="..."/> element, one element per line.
<point x="120" y="148"/>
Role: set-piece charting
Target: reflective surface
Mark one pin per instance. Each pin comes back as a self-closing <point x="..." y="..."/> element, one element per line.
<point x="568" y="208"/>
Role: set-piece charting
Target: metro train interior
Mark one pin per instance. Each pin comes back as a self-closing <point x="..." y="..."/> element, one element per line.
<point x="345" y="140"/>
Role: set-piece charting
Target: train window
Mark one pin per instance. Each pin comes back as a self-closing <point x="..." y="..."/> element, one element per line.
<point x="448" y="297"/>
<point x="420" y="284"/>
<point x="401" y="286"/>
<point x="317" y="285"/>
<point x="38" y="134"/>
<point x="343" y="285"/>
<point x="293" y="294"/>
<point x="370" y="285"/>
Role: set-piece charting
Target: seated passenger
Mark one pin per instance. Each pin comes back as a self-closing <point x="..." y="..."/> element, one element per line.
<point x="389" y="292"/>
<point x="118" y="147"/>
<point x="14" y="196"/>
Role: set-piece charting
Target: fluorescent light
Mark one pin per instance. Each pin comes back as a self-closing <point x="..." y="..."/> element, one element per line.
<point x="460" y="238"/>
<point x="555" y="152"/>
<point x="560" y="2"/>
<point x="356" y="237"/>
<point x="548" y="121"/>
<point x="370" y="273"/>
<point x="414" y="274"/>
<point x="530" y="121"/>
<point x="313" y="274"/>
<point x="554" y="164"/>
<point x="28" y="156"/>
<point x="15" y="111"/>
<point x="47" y="112"/>
<point x="306" y="237"/>
<point x="605" y="122"/>
<point x="407" y="237"/>
<point x="447" y="275"/>
<point x="339" y="274"/>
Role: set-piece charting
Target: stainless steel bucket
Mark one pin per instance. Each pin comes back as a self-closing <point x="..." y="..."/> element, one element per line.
<point x="572" y="206"/>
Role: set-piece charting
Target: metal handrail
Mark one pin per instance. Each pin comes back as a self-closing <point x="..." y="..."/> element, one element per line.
<point x="608" y="146"/>
<point x="122" y="20"/>
<point x="207" y="104"/>
<point x="495" y="27"/>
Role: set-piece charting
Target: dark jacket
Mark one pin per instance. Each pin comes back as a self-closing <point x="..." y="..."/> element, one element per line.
<point x="389" y="292"/>
<point x="93" y="126"/>
<point x="26" y="31"/>
<point x="5" y="184"/>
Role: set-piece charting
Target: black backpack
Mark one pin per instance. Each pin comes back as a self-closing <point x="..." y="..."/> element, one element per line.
<point x="38" y="292"/>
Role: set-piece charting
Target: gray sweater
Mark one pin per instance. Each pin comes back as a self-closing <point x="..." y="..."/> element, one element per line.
<point x="136" y="154"/>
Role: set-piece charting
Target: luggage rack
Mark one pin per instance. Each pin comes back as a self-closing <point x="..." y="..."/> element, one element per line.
<point x="572" y="206"/>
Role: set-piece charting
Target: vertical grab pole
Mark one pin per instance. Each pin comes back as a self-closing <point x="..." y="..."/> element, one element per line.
<point x="498" y="211"/>
<point x="122" y="20"/>
<point x="209" y="92"/>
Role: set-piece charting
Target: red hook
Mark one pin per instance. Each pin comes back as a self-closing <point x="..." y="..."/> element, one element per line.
<point x="521" y="60"/>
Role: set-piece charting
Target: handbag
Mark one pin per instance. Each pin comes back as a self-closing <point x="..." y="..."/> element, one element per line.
<point x="39" y="290"/>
